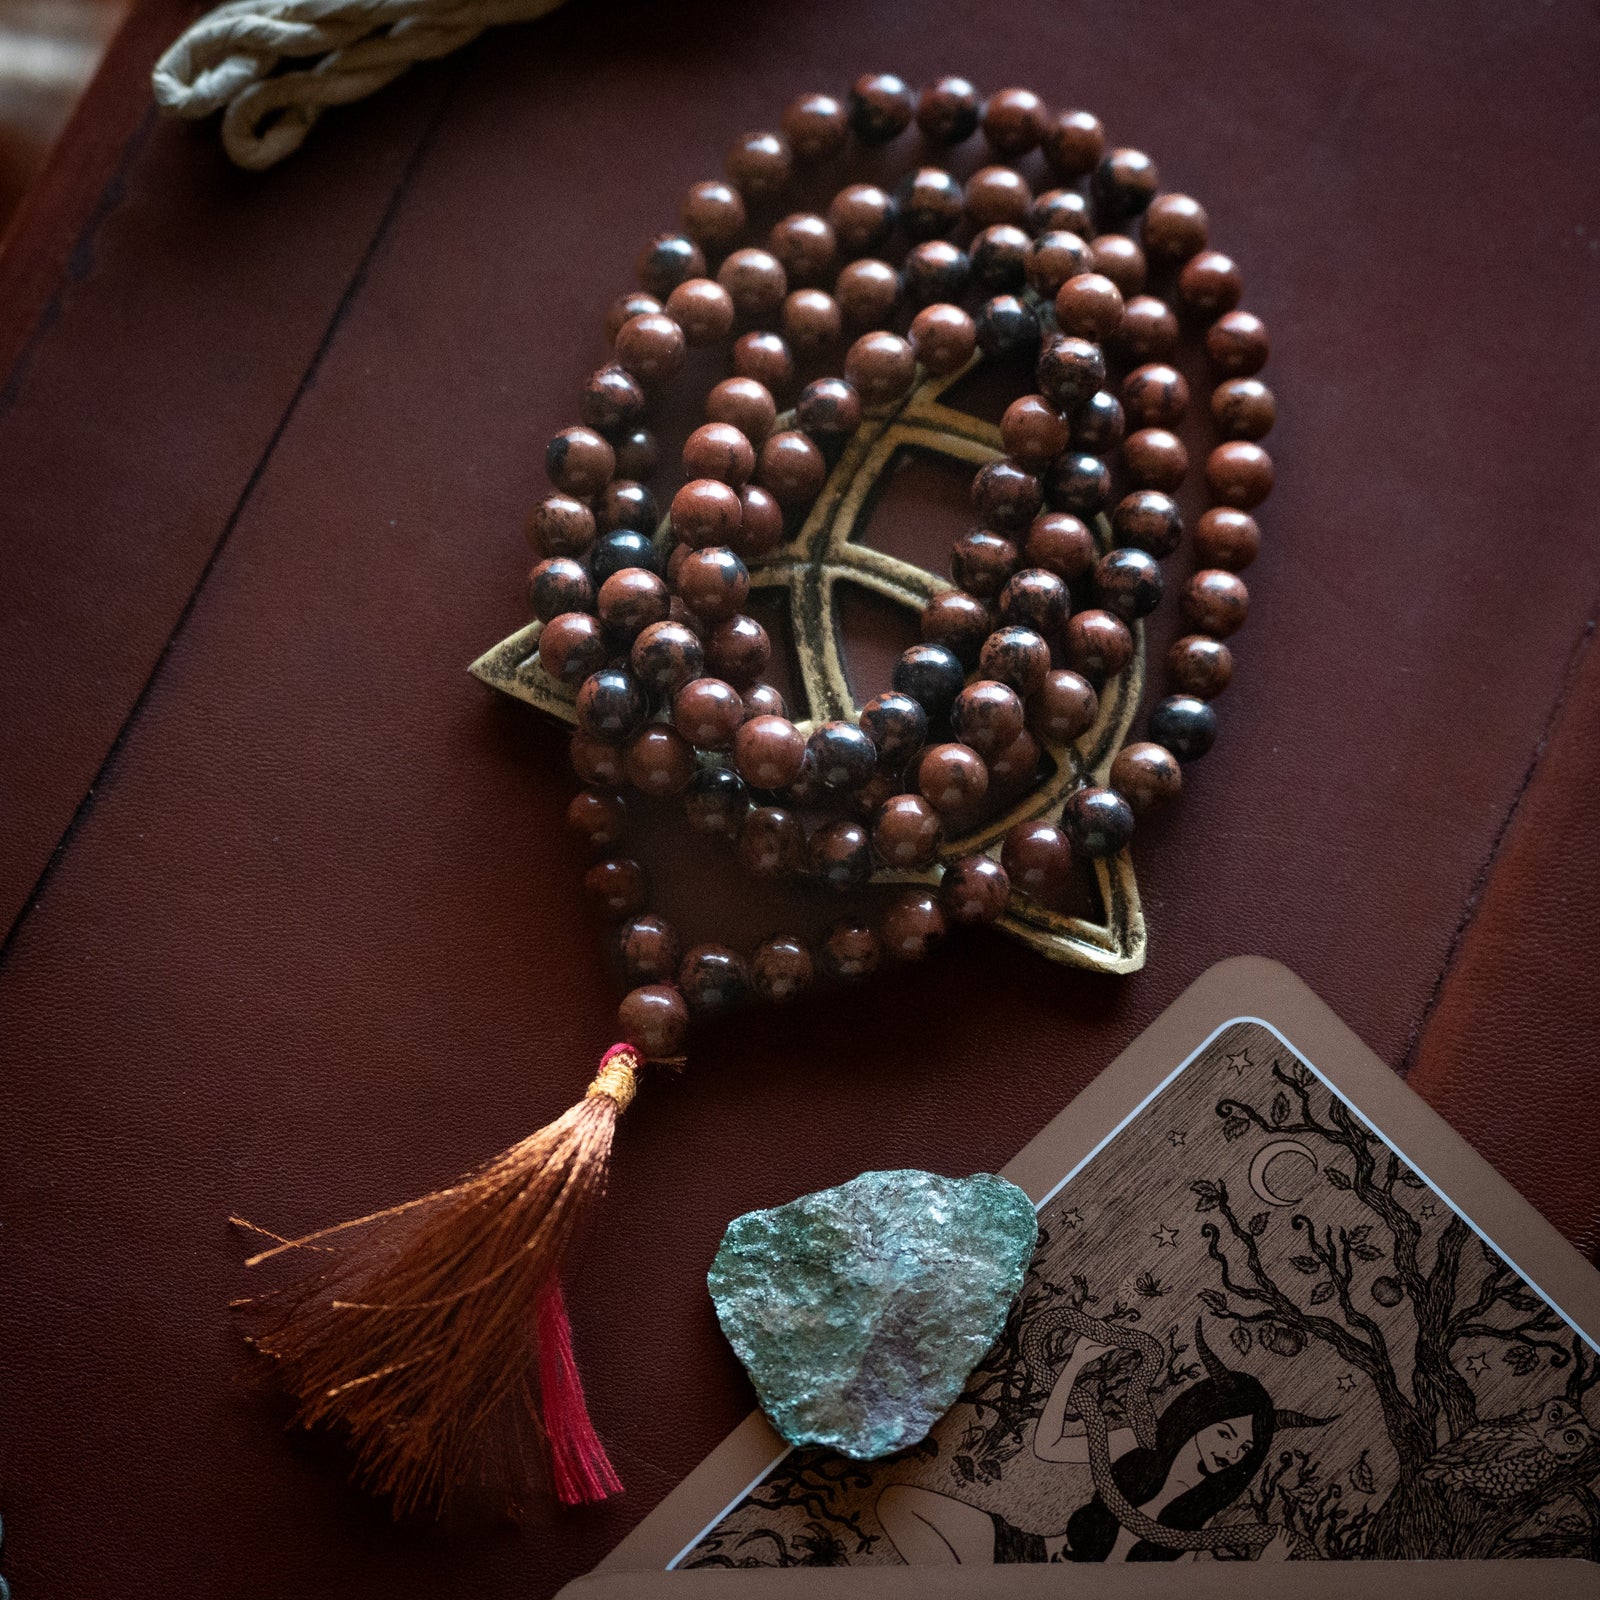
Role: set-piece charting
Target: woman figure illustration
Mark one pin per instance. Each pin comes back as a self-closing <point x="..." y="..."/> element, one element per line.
<point x="1209" y="1443"/>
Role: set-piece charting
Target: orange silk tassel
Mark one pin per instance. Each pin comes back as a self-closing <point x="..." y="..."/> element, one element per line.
<point x="431" y="1335"/>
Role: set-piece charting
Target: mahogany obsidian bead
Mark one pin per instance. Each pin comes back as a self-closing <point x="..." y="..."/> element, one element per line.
<point x="721" y="451"/>
<point x="1153" y="458"/>
<point x="906" y="833"/>
<point x="756" y="282"/>
<point x="959" y="622"/>
<point x="1065" y="209"/>
<point x="932" y="676"/>
<point x="862" y="218"/>
<point x="598" y="819"/>
<point x="703" y="309"/>
<point x="1078" y="483"/>
<point x="928" y="204"/>
<point x="1224" y="537"/>
<point x="594" y="761"/>
<point x="781" y="968"/>
<point x="708" y="712"/>
<point x="1099" y="821"/>
<point x="829" y="410"/>
<point x="897" y="726"/>
<point x="771" y="842"/>
<point x="713" y="977"/>
<point x="1155" y="396"/>
<point x="1175" y="227"/>
<point x="1186" y="726"/>
<point x="987" y="716"/>
<point x="1015" y="656"/>
<point x="1005" y="496"/>
<point x="1033" y="431"/>
<point x="1014" y="121"/>
<point x="611" y="705"/>
<point x="705" y="512"/>
<point x="1006" y="327"/>
<point x="844" y="755"/>
<point x="637" y="454"/>
<point x="911" y="925"/>
<point x="974" y="889"/>
<point x="626" y="503"/>
<point x="744" y="404"/>
<point x="1070" y="370"/>
<point x="617" y="886"/>
<point x="636" y="303"/>
<point x="1118" y="258"/>
<point x="1098" y="645"/>
<point x="571" y="646"/>
<point x="715" y="802"/>
<point x="881" y="107"/>
<point x="621" y="548"/>
<point x="1239" y="474"/>
<point x="997" y="194"/>
<point x="1145" y="775"/>
<point x="1199" y="666"/>
<point x="579" y="462"/>
<point x="612" y="400"/>
<point x="1073" y="142"/>
<point x="805" y="244"/>
<point x="739" y="651"/>
<point x="654" y="1020"/>
<point x="1148" y="520"/>
<point x="1237" y="344"/>
<point x="1149" y="330"/>
<point x="791" y="468"/>
<point x="1243" y="408"/>
<point x="811" y="322"/>
<point x="649" y="949"/>
<point x="841" y="854"/>
<point x="764" y="357"/>
<point x="1060" y="543"/>
<point x="1035" y="599"/>
<point x="947" y="111"/>
<point x="1017" y="765"/>
<point x="1124" y="183"/>
<point x="868" y="293"/>
<point x="816" y="125"/>
<point x="1064" y="708"/>
<point x="559" y="584"/>
<point x="952" y="778"/>
<point x="713" y="215"/>
<point x="1210" y="284"/>
<point x="658" y="761"/>
<point x="1089" y="306"/>
<point x="1053" y="260"/>
<point x="1037" y="858"/>
<point x="943" y="337"/>
<point x="980" y="561"/>
<point x="668" y="260"/>
<point x="934" y="270"/>
<point x="849" y="951"/>
<point x="629" y="601"/>
<point x="1098" y="424"/>
<point x="558" y="525"/>
<point x="759" y="165"/>
<point x="864" y="803"/>
<point x="769" y="751"/>
<point x="1215" y="602"/>
<point x="1128" y="583"/>
<point x="713" y="583"/>
<point x="881" y="366"/>
<point x="762" y="700"/>
<point x="651" y="348"/>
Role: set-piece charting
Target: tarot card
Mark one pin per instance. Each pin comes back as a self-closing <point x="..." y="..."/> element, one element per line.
<point x="1278" y="1313"/>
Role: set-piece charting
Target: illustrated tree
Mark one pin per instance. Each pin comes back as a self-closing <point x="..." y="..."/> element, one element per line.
<point x="1461" y="1294"/>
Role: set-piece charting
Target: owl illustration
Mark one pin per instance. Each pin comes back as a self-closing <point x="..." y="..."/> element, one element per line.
<point x="1514" y="1455"/>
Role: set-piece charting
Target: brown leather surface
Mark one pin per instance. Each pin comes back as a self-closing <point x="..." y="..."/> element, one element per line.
<point x="314" y="943"/>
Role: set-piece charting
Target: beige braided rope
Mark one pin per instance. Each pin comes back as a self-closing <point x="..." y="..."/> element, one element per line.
<point x="232" y="60"/>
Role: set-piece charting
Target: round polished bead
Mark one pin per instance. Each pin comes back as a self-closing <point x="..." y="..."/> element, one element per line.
<point x="1237" y="344"/>
<point x="981" y="562"/>
<point x="1155" y="396"/>
<point x="630" y="600"/>
<point x="708" y="713"/>
<point x="806" y="792"/>
<point x="1099" y="822"/>
<point x="668" y="260"/>
<point x="712" y="977"/>
<point x="636" y="303"/>
<point x="714" y="583"/>
<point x="1226" y="538"/>
<point x="862" y="218"/>
<point x="654" y="1020"/>
<point x="713" y="215"/>
<point x="1078" y="483"/>
<point x="928" y="204"/>
<point x="1148" y="520"/>
<point x="721" y="451"/>
<point x="1117" y="257"/>
<point x="1124" y="183"/>
<point x="769" y="751"/>
<point x="739" y="651"/>
<point x="637" y="455"/>
<point x="595" y="761"/>
<point x="762" y="700"/>
<point x="658" y="761"/>
<point x="841" y="854"/>
<point x="1210" y="284"/>
<point x="1064" y="209"/>
<point x="611" y="705"/>
<point x="1065" y="707"/>
<point x="571" y="647"/>
<point x="912" y="924"/>
<point x="1239" y="474"/>
<point x="997" y="194"/>
<point x="1059" y="542"/>
<point x="958" y="622"/>
<point x="811" y="322"/>
<point x="844" y="755"/>
<point x="715" y="802"/>
<point x="1128" y="583"/>
<point x="1073" y="142"/>
<point x="987" y="716"/>
<point x="705" y="512"/>
<point x="816" y="126"/>
<point x="897" y="726"/>
<point x="974" y="889"/>
<point x="598" y="819"/>
<point x="791" y="468"/>
<point x="952" y="778"/>
<point x="1037" y="858"/>
<point x="999" y="259"/>
<point x="829" y="410"/>
<point x="1017" y="765"/>
<point x="1007" y="327"/>
<point x="616" y="885"/>
<point x="1089" y="306"/>
<point x="744" y="404"/>
<point x="1098" y="424"/>
<point x="1070" y="370"/>
<point x="850" y="951"/>
<point x="756" y="283"/>
<point x="1033" y="431"/>
<point x="766" y="358"/>
<point x="932" y="676"/>
<point x="935" y="270"/>
<point x="649" y="949"/>
<point x="651" y="348"/>
<point x="1243" y="408"/>
<point x="1149" y="330"/>
<point x="613" y="400"/>
<point x="664" y="658"/>
<point x="805" y="244"/>
<point x="559" y="525"/>
<point x="703" y="309"/>
<point x="1014" y="121"/>
<point x="580" y="463"/>
<point x="881" y="107"/>
<point x="621" y="548"/>
<point x="559" y="584"/>
<point x="868" y="293"/>
<point x="881" y="367"/>
<point x="781" y="968"/>
<point x="1005" y="496"/>
<point x="1215" y="602"/>
<point x="627" y="503"/>
<point x="1199" y="666"/>
<point x="1098" y="645"/>
<point x="1054" y="260"/>
<point x="1185" y="725"/>
<point x="943" y="338"/>
<point x="1175" y="227"/>
<point x="906" y="833"/>
<point x="947" y="111"/>
<point x="1146" y="775"/>
<point x="1155" y="458"/>
<point x="1035" y="599"/>
<point x="771" y="842"/>
<point x="759" y="165"/>
<point x="1015" y="656"/>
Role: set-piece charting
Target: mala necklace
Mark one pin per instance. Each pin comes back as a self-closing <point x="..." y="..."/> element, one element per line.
<point x="432" y="1336"/>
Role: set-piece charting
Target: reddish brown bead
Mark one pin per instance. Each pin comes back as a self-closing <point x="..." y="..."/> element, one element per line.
<point x="1054" y="260"/>
<point x="665" y="657"/>
<point x="792" y="469"/>
<point x="868" y="293"/>
<point x="610" y="705"/>
<point x="762" y="700"/>
<point x="595" y="761"/>
<point x="703" y="309"/>
<point x="616" y="885"/>
<point x="1128" y="583"/>
<point x="974" y="889"/>
<point x="612" y="400"/>
<point x="705" y="512"/>
<point x="560" y="526"/>
<point x="1015" y="656"/>
<point x="1237" y="344"/>
<point x="1117" y="257"/>
<point x="1146" y="775"/>
<point x="630" y="600"/>
<point x="756" y="282"/>
<point x="1035" y="599"/>
<point x="658" y="761"/>
<point x="668" y="260"/>
<point x="987" y="717"/>
<point x="805" y="244"/>
<point x="1175" y="227"/>
<point x="1059" y="542"/>
<point x="999" y="258"/>
<point x="997" y="194"/>
<point x="626" y="503"/>
<point x="1239" y="474"/>
<point x="943" y="338"/>
<point x="580" y="463"/>
<point x="1063" y="209"/>
<point x="655" y="1021"/>
<point x="1064" y="709"/>
<point x="713" y="583"/>
<point x="897" y="725"/>
<point x="841" y="854"/>
<point x="758" y="165"/>
<point x="599" y="820"/>
<point x="1149" y="330"/>
<point x="811" y="322"/>
<point x="1124" y="183"/>
<point x="850" y="951"/>
<point x="743" y="404"/>
<point x="1199" y="666"/>
<point x="1227" y="538"/>
<point x="928" y="204"/>
<point x="1155" y="459"/>
<point x="829" y="410"/>
<point x="1014" y="121"/>
<point x="861" y="216"/>
<point x="1243" y="408"/>
<point x="713" y="215"/>
<point x="649" y="949"/>
<point x="1078" y="482"/>
<point x="1033" y="431"/>
<point x="816" y="125"/>
<point x="768" y="751"/>
<point x="1210" y="284"/>
<point x="958" y="622"/>
<point x="880" y="107"/>
<point x="947" y="111"/>
<point x="1215" y="602"/>
<point x="719" y="450"/>
<point x="1017" y="765"/>
<point x="1089" y="306"/>
<point x="1070" y="371"/>
<point x="760" y="524"/>
<point x="708" y="713"/>
<point x="906" y="833"/>
<point x="636" y="303"/>
<point x="715" y="803"/>
<point x="713" y="978"/>
<point x="571" y="646"/>
<point x="1155" y="396"/>
<point x="1006" y="497"/>
<point x="1037" y="859"/>
<point x="1148" y="520"/>
<point x="1098" y="821"/>
<point x="781" y="969"/>
<point x="651" y="348"/>
<point x="766" y="358"/>
<point x="637" y="455"/>
<point x="1073" y="143"/>
<point x="771" y="842"/>
<point x="952" y="778"/>
<point x="739" y="651"/>
<point x="983" y="562"/>
<point x="1098" y="645"/>
<point x="881" y="366"/>
<point x="912" y="924"/>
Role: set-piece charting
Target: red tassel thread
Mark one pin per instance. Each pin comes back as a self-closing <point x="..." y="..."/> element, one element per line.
<point x="580" y="1468"/>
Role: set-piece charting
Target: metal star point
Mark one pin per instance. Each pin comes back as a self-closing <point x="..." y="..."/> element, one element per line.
<point x="1166" y="1238"/>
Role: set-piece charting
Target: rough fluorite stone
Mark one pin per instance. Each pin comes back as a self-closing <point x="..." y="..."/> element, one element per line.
<point x="860" y="1312"/>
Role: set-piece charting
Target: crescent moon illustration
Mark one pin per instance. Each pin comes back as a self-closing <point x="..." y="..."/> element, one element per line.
<point x="1265" y="1156"/>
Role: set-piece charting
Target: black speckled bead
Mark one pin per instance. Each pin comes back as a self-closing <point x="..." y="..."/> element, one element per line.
<point x="828" y="410"/>
<point x="611" y="705"/>
<point x="1079" y="483"/>
<point x="1186" y="726"/>
<point x="622" y="547"/>
<point x="928" y="204"/>
<point x="1128" y="583"/>
<point x="712" y="978"/>
<point x="897" y="726"/>
<point x="1061" y="210"/>
<point x="1123" y="184"/>
<point x="1070" y="371"/>
<point x="613" y="400"/>
<point x="1016" y="656"/>
<point x="881" y="107"/>
<point x="850" y="951"/>
<point x="1035" y="599"/>
<point x="841" y="854"/>
<point x="559" y="584"/>
<point x="935" y="271"/>
<point x="1098" y="424"/>
<point x="845" y="756"/>
<point x="668" y="260"/>
<point x="999" y="257"/>
<point x="628" y="504"/>
<point x="715" y="802"/>
<point x="1099" y="821"/>
<point x="1005" y="496"/>
<point x="665" y="656"/>
<point x="1007" y="327"/>
<point x="932" y="676"/>
<point x="947" y="111"/>
<point x="781" y="968"/>
<point x="1148" y="520"/>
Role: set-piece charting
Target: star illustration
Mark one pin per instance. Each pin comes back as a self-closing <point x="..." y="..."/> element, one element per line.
<point x="1166" y="1238"/>
<point x="1344" y="1384"/>
<point x="1072" y="1218"/>
<point x="1429" y="1209"/>
<point x="1477" y="1363"/>
<point x="1237" y="1062"/>
<point x="1177" y="1140"/>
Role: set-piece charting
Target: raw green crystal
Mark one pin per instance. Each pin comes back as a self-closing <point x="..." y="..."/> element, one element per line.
<point x="860" y="1312"/>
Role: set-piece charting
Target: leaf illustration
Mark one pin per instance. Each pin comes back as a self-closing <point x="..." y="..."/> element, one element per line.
<point x="1358" y="1234"/>
<point x="1280" y="1109"/>
<point x="1240" y="1338"/>
<point x="1235" y="1128"/>
<point x="1307" y="1264"/>
<point x="1361" y="1475"/>
<point x="1366" y="1252"/>
<point x="1323" y="1291"/>
<point x="1214" y="1301"/>
<point x="1338" y="1177"/>
<point x="1258" y="1223"/>
<point x="1208" y="1196"/>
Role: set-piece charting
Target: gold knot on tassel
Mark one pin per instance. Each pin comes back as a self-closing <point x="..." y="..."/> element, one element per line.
<point x="618" y="1077"/>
